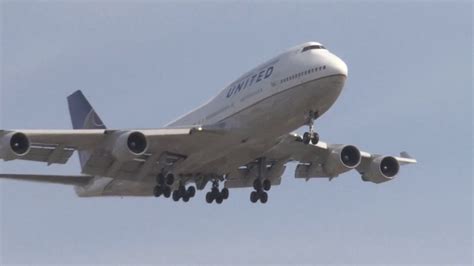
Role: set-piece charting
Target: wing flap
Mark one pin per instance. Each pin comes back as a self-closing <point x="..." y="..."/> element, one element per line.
<point x="49" y="154"/>
<point x="55" y="179"/>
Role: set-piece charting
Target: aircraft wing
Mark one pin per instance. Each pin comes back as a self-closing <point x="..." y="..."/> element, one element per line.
<point x="50" y="146"/>
<point x="107" y="148"/>
<point x="325" y="160"/>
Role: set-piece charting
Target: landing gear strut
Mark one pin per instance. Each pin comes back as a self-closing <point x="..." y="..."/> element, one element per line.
<point x="311" y="136"/>
<point x="215" y="194"/>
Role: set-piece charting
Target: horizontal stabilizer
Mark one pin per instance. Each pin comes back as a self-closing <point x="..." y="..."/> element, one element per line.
<point x="56" y="179"/>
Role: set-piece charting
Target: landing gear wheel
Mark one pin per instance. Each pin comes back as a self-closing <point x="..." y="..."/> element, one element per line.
<point x="209" y="197"/>
<point x="160" y="179"/>
<point x="257" y="184"/>
<point x="225" y="193"/>
<point x="306" y="138"/>
<point x="263" y="197"/>
<point x="176" y="195"/>
<point x="315" y="138"/>
<point x="219" y="199"/>
<point x="191" y="191"/>
<point x="253" y="196"/>
<point x="166" y="191"/>
<point x="157" y="191"/>
<point x="267" y="184"/>
<point x="186" y="198"/>
<point x="169" y="179"/>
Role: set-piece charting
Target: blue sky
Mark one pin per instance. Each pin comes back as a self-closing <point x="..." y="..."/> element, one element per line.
<point x="143" y="64"/>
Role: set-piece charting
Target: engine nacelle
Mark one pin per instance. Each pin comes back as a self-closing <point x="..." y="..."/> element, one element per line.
<point x="342" y="158"/>
<point x="14" y="145"/>
<point x="381" y="169"/>
<point x="129" y="145"/>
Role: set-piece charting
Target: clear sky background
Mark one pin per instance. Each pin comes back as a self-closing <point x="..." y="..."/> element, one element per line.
<point x="143" y="64"/>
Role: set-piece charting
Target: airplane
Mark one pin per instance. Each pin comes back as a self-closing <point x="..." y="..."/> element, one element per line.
<point x="241" y="138"/>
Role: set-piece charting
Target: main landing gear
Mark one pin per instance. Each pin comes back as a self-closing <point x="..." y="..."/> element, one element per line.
<point x="215" y="194"/>
<point x="260" y="190"/>
<point x="183" y="193"/>
<point x="311" y="136"/>
<point x="163" y="186"/>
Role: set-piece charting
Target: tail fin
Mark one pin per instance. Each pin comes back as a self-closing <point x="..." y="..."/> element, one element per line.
<point x="83" y="116"/>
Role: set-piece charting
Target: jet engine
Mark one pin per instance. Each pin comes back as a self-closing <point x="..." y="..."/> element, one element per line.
<point x="341" y="158"/>
<point x="14" y="145"/>
<point x="381" y="169"/>
<point x="129" y="145"/>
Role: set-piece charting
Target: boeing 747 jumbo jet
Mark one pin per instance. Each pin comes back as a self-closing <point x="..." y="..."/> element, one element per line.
<point x="240" y="138"/>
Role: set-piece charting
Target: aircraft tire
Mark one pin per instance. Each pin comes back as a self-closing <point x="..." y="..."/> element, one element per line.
<point x="176" y="195"/>
<point x="169" y="179"/>
<point x="191" y="191"/>
<point x="160" y="179"/>
<point x="186" y="198"/>
<point x="219" y="199"/>
<point x="306" y="138"/>
<point x="267" y="184"/>
<point x="257" y="184"/>
<point x="166" y="191"/>
<point x="263" y="197"/>
<point x="225" y="193"/>
<point x="253" y="196"/>
<point x="209" y="197"/>
<point x="315" y="138"/>
<point x="157" y="191"/>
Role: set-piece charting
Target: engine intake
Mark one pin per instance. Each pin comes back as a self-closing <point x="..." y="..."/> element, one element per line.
<point x="129" y="145"/>
<point x="381" y="169"/>
<point x="389" y="166"/>
<point x="342" y="158"/>
<point x="350" y="156"/>
<point x="136" y="143"/>
<point x="14" y="145"/>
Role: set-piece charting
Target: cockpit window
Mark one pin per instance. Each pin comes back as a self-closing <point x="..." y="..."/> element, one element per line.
<point x="316" y="46"/>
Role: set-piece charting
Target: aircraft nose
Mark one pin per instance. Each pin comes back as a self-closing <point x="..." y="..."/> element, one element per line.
<point x="338" y="66"/>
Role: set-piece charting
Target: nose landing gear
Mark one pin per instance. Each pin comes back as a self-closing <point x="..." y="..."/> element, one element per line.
<point x="311" y="136"/>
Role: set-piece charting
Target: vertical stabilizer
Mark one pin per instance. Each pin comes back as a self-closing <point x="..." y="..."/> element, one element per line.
<point x="83" y="116"/>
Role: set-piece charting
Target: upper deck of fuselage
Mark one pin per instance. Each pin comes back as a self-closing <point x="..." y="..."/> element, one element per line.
<point x="294" y="60"/>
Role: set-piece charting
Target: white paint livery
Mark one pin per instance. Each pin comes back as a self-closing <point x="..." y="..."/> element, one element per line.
<point x="240" y="137"/>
